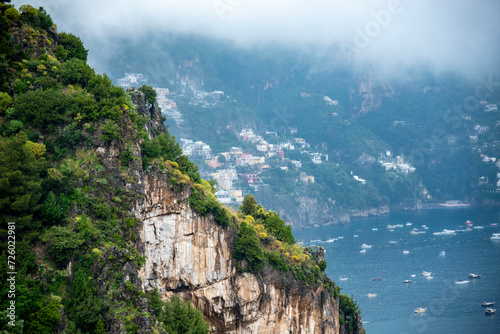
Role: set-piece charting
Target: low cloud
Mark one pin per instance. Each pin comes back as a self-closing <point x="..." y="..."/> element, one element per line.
<point x="443" y="34"/>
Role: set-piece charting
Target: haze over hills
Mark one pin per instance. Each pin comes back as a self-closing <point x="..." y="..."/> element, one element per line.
<point x="398" y="85"/>
<point x="446" y="36"/>
<point x="117" y="229"/>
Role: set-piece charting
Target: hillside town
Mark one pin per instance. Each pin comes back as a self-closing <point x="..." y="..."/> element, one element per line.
<point x="239" y="169"/>
<point x="223" y="166"/>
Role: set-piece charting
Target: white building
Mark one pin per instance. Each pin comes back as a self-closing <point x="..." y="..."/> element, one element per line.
<point x="262" y="146"/>
<point x="132" y="80"/>
<point x="194" y="149"/>
<point x="224" y="197"/>
<point x="363" y="181"/>
<point x="330" y="102"/>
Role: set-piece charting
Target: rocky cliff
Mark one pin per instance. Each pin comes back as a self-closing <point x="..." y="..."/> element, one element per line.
<point x="190" y="255"/>
<point x="304" y="211"/>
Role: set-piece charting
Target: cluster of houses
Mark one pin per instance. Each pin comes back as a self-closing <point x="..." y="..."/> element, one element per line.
<point x="316" y="157"/>
<point x="132" y="80"/>
<point x="236" y="157"/>
<point x="397" y="164"/>
<point x="484" y="179"/>
<point x="225" y="178"/>
<point x="241" y="158"/>
<point x="195" y="148"/>
<point x="168" y="105"/>
<point x="206" y="99"/>
<point x="269" y="150"/>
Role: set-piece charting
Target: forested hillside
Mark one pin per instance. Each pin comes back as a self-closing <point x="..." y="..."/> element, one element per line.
<point x="431" y="120"/>
<point x="75" y="152"/>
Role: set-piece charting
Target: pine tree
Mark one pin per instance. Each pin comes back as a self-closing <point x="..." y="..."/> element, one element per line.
<point x="20" y="185"/>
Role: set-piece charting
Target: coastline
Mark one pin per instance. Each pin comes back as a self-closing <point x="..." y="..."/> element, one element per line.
<point x="382" y="212"/>
<point x="431" y="206"/>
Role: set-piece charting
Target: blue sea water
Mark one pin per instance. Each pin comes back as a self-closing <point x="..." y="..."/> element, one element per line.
<point x="451" y="308"/>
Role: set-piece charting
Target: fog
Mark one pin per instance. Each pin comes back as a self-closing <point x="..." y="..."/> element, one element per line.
<point x="459" y="35"/>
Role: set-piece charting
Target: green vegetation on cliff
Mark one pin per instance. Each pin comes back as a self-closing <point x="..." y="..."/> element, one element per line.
<point x="71" y="148"/>
<point x="75" y="233"/>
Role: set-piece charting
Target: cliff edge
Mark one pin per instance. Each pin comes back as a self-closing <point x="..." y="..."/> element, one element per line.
<point x="191" y="256"/>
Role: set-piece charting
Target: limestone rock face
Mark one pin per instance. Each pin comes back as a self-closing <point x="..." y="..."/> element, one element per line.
<point x="304" y="211"/>
<point x="190" y="255"/>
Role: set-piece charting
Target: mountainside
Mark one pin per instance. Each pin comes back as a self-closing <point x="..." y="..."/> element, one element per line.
<point x="361" y="119"/>
<point x="115" y="231"/>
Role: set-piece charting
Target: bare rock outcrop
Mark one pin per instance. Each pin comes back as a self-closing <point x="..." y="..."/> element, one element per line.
<point x="190" y="255"/>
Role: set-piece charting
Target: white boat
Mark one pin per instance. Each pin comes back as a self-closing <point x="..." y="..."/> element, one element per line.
<point x="462" y="282"/>
<point x="414" y="231"/>
<point x="478" y="227"/>
<point x="363" y="251"/>
<point x="340" y="238"/>
<point x="474" y="275"/>
<point x="374" y="229"/>
<point x="406" y="252"/>
<point x="344" y="278"/>
<point x="365" y="246"/>
<point x="407" y="281"/>
<point x="393" y="242"/>
<point x="413" y="275"/>
<point x="426" y="273"/>
<point x="495" y="236"/>
<point x="356" y="235"/>
<point x="408" y="224"/>
<point x="486" y="304"/>
<point x="371" y="295"/>
<point x="443" y="253"/>
<point x="445" y="232"/>
<point x="390" y="226"/>
<point x="429" y="277"/>
<point x="420" y="310"/>
<point x="399" y="225"/>
<point x="489" y="311"/>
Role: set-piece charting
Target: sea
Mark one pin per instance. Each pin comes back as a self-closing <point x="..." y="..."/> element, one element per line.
<point x="381" y="270"/>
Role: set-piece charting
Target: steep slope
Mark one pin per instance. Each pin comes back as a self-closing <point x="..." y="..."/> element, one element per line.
<point x="115" y="230"/>
<point x="190" y="255"/>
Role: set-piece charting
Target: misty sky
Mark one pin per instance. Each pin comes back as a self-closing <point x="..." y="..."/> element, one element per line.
<point x="445" y="34"/>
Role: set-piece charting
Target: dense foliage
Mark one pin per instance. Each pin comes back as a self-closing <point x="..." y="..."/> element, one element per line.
<point x="264" y="237"/>
<point x="178" y="317"/>
<point x="149" y="92"/>
<point x="247" y="247"/>
<point x="75" y="234"/>
<point x="76" y="255"/>
<point x="349" y="308"/>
